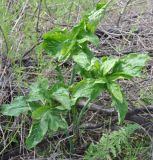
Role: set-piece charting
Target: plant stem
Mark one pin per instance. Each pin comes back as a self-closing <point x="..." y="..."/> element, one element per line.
<point x="59" y="74"/>
<point x="83" y="110"/>
<point x="72" y="74"/>
<point x="78" y="120"/>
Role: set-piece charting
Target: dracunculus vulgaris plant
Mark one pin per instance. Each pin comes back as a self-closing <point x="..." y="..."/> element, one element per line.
<point x="49" y="105"/>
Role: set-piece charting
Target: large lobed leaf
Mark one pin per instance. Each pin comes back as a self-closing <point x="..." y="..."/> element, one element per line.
<point x="18" y="106"/>
<point x="131" y="65"/>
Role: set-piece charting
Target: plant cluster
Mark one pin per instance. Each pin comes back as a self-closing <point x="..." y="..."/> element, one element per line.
<point x="49" y="105"/>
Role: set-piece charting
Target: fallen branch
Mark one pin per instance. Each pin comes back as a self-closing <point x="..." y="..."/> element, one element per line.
<point x="141" y="116"/>
<point x="99" y="109"/>
<point x="112" y="112"/>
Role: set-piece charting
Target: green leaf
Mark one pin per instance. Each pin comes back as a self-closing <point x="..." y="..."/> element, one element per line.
<point x="94" y="17"/>
<point x="132" y="64"/>
<point x="89" y="37"/>
<point x="54" y="41"/>
<point x="59" y="43"/>
<point x="100" y="81"/>
<point x="39" y="91"/>
<point x="101" y="4"/>
<point x="55" y="121"/>
<point x="51" y="116"/>
<point x="121" y="107"/>
<point x="62" y="96"/>
<point x="136" y="59"/>
<point x="94" y="68"/>
<point x="44" y="118"/>
<point x="39" y="112"/>
<point x="119" y="75"/>
<point x="108" y="65"/>
<point x="95" y="64"/>
<point x="118" y="101"/>
<point x="115" y="90"/>
<point x="83" y="72"/>
<point x="36" y="134"/>
<point x="34" y="105"/>
<point x="88" y="88"/>
<point x="17" y="107"/>
<point x="68" y="49"/>
<point x="82" y="59"/>
<point x="83" y="88"/>
<point x="77" y="30"/>
<point x="56" y="87"/>
<point x="87" y="66"/>
<point x="62" y="44"/>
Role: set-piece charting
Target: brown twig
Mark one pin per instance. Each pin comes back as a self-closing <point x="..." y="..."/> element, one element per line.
<point x="122" y="13"/>
<point x="112" y="112"/>
<point x="39" y="10"/>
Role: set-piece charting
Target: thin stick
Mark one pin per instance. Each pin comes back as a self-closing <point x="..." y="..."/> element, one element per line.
<point x="123" y="11"/>
<point x="39" y="10"/>
<point x="20" y="15"/>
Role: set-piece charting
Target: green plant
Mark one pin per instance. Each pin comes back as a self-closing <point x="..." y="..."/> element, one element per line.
<point x="48" y="105"/>
<point x="101" y="75"/>
<point x="110" y="145"/>
<point x="98" y="75"/>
